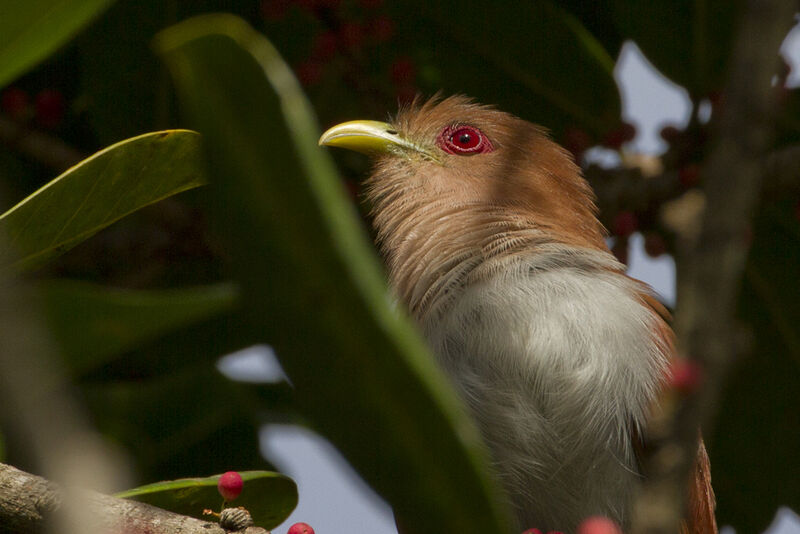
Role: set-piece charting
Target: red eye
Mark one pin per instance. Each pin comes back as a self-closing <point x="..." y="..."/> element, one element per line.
<point x="461" y="139"/>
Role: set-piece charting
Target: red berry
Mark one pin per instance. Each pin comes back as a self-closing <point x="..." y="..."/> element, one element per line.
<point x="620" y="249"/>
<point x="628" y="131"/>
<point x="622" y="134"/>
<point x="230" y="485"/>
<point x="403" y="71"/>
<point x="15" y="102"/>
<point x="325" y="46"/>
<point x="716" y="98"/>
<point x="577" y="141"/>
<point x="555" y="532"/>
<point x="300" y="528"/>
<point x="689" y="176"/>
<point x="598" y="525"/>
<point x="625" y="223"/>
<point x="352" y="35"/>
<point x="49" y="107"/>
<point x="381" y="28"/>
<point x="532" y="531"/>
<point x="309" y="72"/>
<point x="670" y="133"/>
<point x="684" y="375"/>
<point x="654" y="244"/>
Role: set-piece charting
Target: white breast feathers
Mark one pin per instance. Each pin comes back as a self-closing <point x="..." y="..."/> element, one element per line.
<point x="554" y="352"/>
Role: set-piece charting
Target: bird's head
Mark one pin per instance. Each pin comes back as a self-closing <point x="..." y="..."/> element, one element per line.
<point x="457" y="185"/>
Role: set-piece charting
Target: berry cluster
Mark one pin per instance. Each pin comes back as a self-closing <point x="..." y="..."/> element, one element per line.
<point x="348" y="40"/>
<point x="47" y="109"/>
<point x="578" y="140"/>
<point x="680" y="165"/>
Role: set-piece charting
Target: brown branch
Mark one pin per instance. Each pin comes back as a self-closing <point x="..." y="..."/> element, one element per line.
<point x="711" y="264"/>
<point x="27" y="502"/>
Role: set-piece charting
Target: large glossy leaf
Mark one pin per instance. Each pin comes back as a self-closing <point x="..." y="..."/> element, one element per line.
<point x="93" y="324"/>
<point x="269" y="497"/>
<point x="553" y="70"/>
<point x="312" y="283"/>
<point x="689" y="41"/>
<point x="98" y="191"/>
<point x="754" y="448"/>
<point x="30" y="30"/>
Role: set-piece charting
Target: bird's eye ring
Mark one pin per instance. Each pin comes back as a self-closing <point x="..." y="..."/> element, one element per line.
<point x="461" y="139"/>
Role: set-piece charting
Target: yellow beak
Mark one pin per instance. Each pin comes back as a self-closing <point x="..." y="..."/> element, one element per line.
<point x="368" y="137"/>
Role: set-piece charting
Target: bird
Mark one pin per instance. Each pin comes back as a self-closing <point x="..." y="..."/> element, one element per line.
<point x="492" y="242"/>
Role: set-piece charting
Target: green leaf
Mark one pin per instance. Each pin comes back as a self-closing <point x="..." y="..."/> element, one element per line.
<point x="535" y="60"/>
<point x="312" y="284"/>
<point x="757" y="436"/>
<point x="269" y="497"/>
<point x="31" y="30"/>
<point x="98" y="191"/>
<point x="94" y="323"/>
<point x="689" y="41"/>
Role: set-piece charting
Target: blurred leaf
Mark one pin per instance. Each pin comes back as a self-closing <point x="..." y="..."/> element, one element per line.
<point x="689" y="41"/>
<point x="598" y="18"/>
<point x="552" y="68"/>
<point x="312" y="283"/>
<point x="94" y="323"/>
<point x="757" y="436"/>
<point x="200" y="343"/>
<point x="126" y="89"/>
<point x="30" y="30"/>
<point x="98" y="191"/>
<point x="191" y="420"/>
<point x="269" y="497"/>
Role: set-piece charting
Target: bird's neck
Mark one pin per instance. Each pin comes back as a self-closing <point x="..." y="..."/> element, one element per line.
<point x="435" y="249"/>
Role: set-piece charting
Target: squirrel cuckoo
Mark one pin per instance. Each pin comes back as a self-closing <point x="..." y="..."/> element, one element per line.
<point x="492" y="242"/>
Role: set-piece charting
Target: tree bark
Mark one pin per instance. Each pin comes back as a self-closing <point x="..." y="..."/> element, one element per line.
<point x="28" y="503"/>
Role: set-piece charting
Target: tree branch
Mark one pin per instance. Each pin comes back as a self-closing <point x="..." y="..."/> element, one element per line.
<point x="711" y="264"/>
<point x="27" y="502"/>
